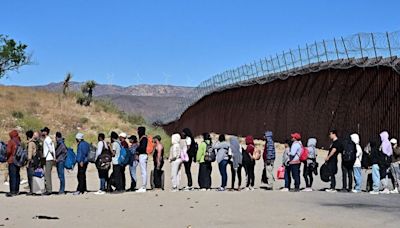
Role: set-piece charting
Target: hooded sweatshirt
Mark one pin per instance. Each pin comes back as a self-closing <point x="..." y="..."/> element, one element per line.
<point x="236" y="152"/>
<point x="12" y="145"/>
<point x="386" y="145"/>
<point x="250" y="145"/>
<point x="175" y="151"/>
<point x="312" y="150"/>
<point x="201" y="152"/>
<point x="269" y="149"/>
<point x="356" y="139"/>
<point x="222" y="150"/>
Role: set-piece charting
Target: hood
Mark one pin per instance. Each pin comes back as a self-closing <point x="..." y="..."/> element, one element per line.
<point x="386" y="145"/>
<point x="312" y="142"/>
<point x="384" y="136"/>
<point x="175" y="138"/>
<point x="355" y="138"/>
<point x="268" y="134"/>
<point x="234" y="142"/>
<point x="13" y="134"/>
<point x="249" y="140"/>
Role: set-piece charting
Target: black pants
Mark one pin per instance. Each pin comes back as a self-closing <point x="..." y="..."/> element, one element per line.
<point x="204" y="179"/>
<point x="188" y="172"/>
<point x="347" y="174"/>
<point x="237" y="172"/>
<point x="308" y="174"/>
<point x="123" y="178"/>
<point x="158" y="175"/>
<point x="332" y="165"/>
<point x="82" y="178"/>
<point x="117" y="174"/>
<point x="15" y="178"/>
<point x="249" y="168"/>
<point x="29" y="172"/>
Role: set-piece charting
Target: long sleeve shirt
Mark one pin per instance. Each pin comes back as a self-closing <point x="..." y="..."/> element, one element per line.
<point x="295" y="152"/>
<point x="99" y="150"/>
<point x="48" y="149"/>
<point x="82" y="152"/>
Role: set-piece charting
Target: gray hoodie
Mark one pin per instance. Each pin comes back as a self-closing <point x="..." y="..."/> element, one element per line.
<point x="222" y="150"/>
<point x="237" y="156"/>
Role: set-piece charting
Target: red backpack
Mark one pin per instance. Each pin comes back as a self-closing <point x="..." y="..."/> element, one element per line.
<point x="304" y="154"/>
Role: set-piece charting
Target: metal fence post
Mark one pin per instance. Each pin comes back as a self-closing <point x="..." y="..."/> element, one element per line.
<point x="279" y="64"/>
<point x="266" y="63"/>
<point x="291" y="57"/>
<point x="359" y="42"/>
<point x="316" y="48"/>
<point x="284" y="61"/>
<point x="388" y="41"/>
<point x="301" y="60"/>
<point x="326" y="52"/>
<point x="373" y="43"/>
<point x="308" y="55"/>
<point x="345" y="49"/>
<point x="337" y="51"/>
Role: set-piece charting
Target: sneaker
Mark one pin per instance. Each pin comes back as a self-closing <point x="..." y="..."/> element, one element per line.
<point x="141" y="190"/>
<point x="355" y="191"/>
<point x="221" y="189"/>
<point x="61" y="193"/>
<point x="307" y="190"/>
<point x="203" y="190"/>
<point x="23" y="182"/>
<point x="374" y="192"/>
<point x="77" y="193"/>
<point x="385" y="191"/>
<point x="394" y="191"/>
<point x="251" y="188"/>
<point x="246" y="189"/>
<point x="99" y="193"/>
<point x="175" y="189"/>
<point x="330" y="190"/>
<point x="6" y="183"/>
<point x="284" y="190"/>
<point x="187" y="188"/>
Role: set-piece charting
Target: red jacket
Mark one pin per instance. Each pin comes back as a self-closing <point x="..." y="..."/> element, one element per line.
<point x="12" y="146"/>
<point x="250" y="145"/>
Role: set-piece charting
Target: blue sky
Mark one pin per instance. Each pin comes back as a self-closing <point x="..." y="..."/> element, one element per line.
<point x="175" y="42"/>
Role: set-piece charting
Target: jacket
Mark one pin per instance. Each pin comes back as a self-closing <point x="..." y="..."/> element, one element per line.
<point x="61" y="151"/>
<point x="175" y="150"/>
<point x="387" y="148"/>
<point x="356" y="139"/>
<point x="396" y="154"/>
<point x="250" y="145"/>
<point x="236" y="152"/>
<point x="82" y="152"/>
<point x="295" y="152"/>
<point x="201" y="152"/>
<point x="222" y="150"/>
<point x="12" y="145"/>
<point x="312" y="150"/>
<point x="31" y="150"/>
<point x="269" y="149"/>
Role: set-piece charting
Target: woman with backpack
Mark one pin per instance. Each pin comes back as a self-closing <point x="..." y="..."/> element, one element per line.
<point x="205" y="167"/>
<point x="103" y="163"/>
<point x="310" y="164"/>
<point x="191" y="151"/>
<point x="222" y="148"/>
<point x="357" y="164"/>
<point x="294" y="160"/>
<point x="249" y="163"/>
<point x="236" y="161"/>
<point x="175" y="160"/>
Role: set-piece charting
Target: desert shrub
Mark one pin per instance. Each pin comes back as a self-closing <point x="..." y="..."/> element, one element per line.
<point x="132" y="119"/>
<point x="28" y="122"/>
<point x="83" y="120"/>
<point x="106" y="106"/>
<point x="17" y="114"/>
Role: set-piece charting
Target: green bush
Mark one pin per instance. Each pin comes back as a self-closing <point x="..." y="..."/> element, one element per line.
<point x="83" y="120"/>
<point x="30" y="123"/>
<point x="17" y="114"/>
<point x="106" y="106"/>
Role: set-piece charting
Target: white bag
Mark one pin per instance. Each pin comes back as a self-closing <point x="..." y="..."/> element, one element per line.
<point x="38" y="186"/>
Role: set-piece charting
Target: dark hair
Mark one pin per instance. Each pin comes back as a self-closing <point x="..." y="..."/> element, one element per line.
<point x="289" y="142"/>
<point x="45" y="129"/>
<point x="333" y="131"/>
<point x="141" y="131"/>
<point x="58" y="135"/>
<point x="29" y="134"/>
<point x="187" y="132"/>
<point x="101" y="136"/>
<point x="114" y="135"/>
<point x="157" y="137"/>
<point x="206" y="136"/>
<point x="221" y="138"/>
<point x="133" y="138"/>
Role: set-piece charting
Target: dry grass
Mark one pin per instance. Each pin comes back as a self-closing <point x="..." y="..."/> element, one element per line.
<point x="59" y="113"/>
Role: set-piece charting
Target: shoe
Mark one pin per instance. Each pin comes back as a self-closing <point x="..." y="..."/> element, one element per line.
<point x="77" y="193"/>
<point x="175" y="189"/>
<point x="251" y="188"/>
<point x="343" y="190"/>
<point x="330" y="190"/>
<point x="100" y="192"/>
<point x="221" y="189"/>
<point x="9" y="194"/>
<point x="394" y="191"/>
<point x="284" y="190"/>
<point x="355" y="191"/>
<point x="296" y="190"/>
<point x="141" y="190"/>
<point x="6" y="183"/>
<point x="23" y="182"/>
<point x="187" y="188"/>
<point x="61" y="193"/>
<point x="246" y="189"/>
<point x="203" y="190"/>
<point x="307" y="190"/>
<point x="47" y="194"/>
<point x="385" y="191"/>
<point x="374" y="192"/>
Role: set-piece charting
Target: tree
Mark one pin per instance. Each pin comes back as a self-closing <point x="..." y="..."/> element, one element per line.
<point x="12" y="55"/>
<point x="87" y="92"/>
<point x="66" y="83"/>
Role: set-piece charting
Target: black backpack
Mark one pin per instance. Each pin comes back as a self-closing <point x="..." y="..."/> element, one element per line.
<point x="210" y="156"/>
<point x="325" y="173"/>
<point x="349" y="151"/>
<point x="3" y="152"/>
<point x="21" y="156"/>
<point x="104" y="160"/>
<point x="366" y="160"/>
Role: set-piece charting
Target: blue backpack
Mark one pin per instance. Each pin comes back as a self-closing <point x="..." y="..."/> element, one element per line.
<point x="124" y="156"/>
<point x="3" y="152"/>
<point x="70" y="160"/>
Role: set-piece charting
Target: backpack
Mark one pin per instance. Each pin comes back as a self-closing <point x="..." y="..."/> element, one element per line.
<point x="325" y="173"/>
<point x="124" y="156"/>
<point x="21" y="156"/>
<point x="150" y="145"/>
<point x="36" y="161"/>
<point x="104" y="160"/>
<point x="210" y="153"/>
<point x="70" y="160"/>
<point x="3" y="152"/>
<point x="349" y="151"/>
<point x="366" y="160"/>
<point x="92" y="154"/>
<point x="304" y="154"/>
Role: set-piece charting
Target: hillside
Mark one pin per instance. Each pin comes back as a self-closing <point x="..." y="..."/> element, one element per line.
<point x="27" y="108"/>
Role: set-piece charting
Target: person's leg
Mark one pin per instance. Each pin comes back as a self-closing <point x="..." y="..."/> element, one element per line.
<point x="200" y="176"/>
<point x="239" y="173"/>
<point x="351" y="177"/>
<point x="310" y="171"/>
<point x="209" y="171"/>
<point x="375" y="178"/>
<point x="288" y="178"/>
<point x="123" y="178"/>
<point x="344" y="177"/>
<point x="224" y="173"/>
<point x="102" y="180"/>
<point x="79" y="177"/>
<point x="132" y="170"/>
<point x="61" y="176"/>
<point x="117" y="177"/>
<point x="188" y="172"/>
<point x="174" y="173"/>
<point x="233" y="174"/>
<point x="247" y="171"/>
<point x="84" y="177"/>
<point x="357" y="178"/>
<point x="48" y="169"/>
<point x="305" y="174"/>
<point x="143" y="169"/>
<point x="396" y="175"/>
<point x="252" y="174"/>
<point x="29" y="172"/>
<point x="270" y="174"/>
<point x="296" y="175"/>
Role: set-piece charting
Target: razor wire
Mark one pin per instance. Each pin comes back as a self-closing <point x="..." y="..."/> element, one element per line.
<point x="362" y="50"/>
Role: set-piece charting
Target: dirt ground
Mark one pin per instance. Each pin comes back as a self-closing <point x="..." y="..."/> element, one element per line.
<point x="259" y="208"/>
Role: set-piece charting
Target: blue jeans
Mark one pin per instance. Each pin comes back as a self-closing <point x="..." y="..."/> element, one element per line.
<point x="103" y="176"/>
<point x="222" y="169"/>
<point x="376" y="178"/>
<point x="13" y="172"/>
<point x="288" y="178"/>
<point x="357" y="178"/>
<point x="295" y="171"/>
<point x="60" y="173"/>
<point x="132" y="170"/>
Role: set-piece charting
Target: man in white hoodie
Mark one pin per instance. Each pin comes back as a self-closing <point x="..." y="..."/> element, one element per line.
<point x="357" y="164"/>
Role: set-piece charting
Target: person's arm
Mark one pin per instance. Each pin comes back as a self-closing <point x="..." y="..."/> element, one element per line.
<point x="200" y="152"/>
<point x="330" y="154"/>
<point x="159" y="150"/>
<point x="30" y="151"/>
<point x="10" y="149"/>
<point x="99" y="148"/>
<point x="114" y="149"/>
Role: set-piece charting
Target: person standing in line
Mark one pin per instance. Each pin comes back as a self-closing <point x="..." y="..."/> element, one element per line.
<point x="376" y="161"/>
<point x="357" y="164"/>
<point x="30" y="169"/>
<point x="294" y="160"/>
<point x="175" y="160"/>
<point x="222" y="148"/>
<point x="192" y="149"/>
<point x="395" y="166"/>
<point x="124" y="144"/>
<point x="13" y="170"/>
<point x="49" y="155"/>
<point x="158" y="159"/>
<point x="61" y="155"/>
<point x="335" y="149"/>
<point x="116" y="151"/>
<point x="82" y="160"/>
<point x="387" y="151"/>
<point x="236" y="162"/>
<point x="134" y="161"/>
<point x="142" y="157"/>
<point x="102" y="149"/>
<point x="269" y="159"/>
<point x="205" y="168"/>
<point x="285" y="163"/>
<point x="310" y="164"/>
<point x="249" y="166"/>
<point x="348" y="159"/>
